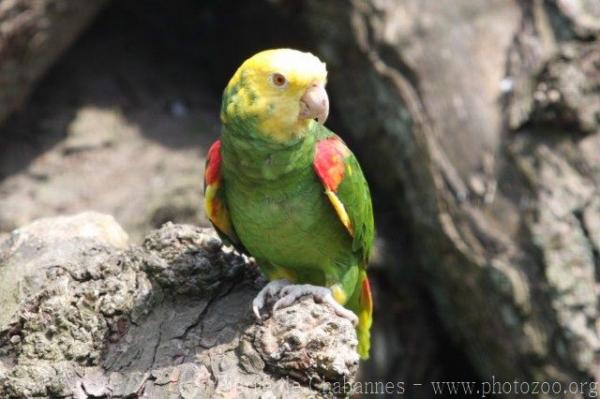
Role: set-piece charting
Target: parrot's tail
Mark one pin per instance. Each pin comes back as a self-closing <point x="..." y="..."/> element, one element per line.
<point x="365" y="315"/>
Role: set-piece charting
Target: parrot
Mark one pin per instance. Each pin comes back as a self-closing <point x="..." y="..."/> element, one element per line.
<point x="283" y="188"/>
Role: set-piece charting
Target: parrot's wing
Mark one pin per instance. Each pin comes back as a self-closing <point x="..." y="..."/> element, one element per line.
<point x="347" y="190"/>
<point x="215" y="205"/>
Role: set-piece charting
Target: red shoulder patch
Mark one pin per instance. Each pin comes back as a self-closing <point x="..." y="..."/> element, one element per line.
<point x="214" y="206"/>
<point x="213" y="163"/>
<point x="329" y="162"/>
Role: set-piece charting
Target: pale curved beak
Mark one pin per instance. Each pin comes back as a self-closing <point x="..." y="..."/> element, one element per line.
<point x="314" y="104"/>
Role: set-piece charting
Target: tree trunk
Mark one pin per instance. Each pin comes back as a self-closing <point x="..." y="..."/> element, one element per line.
<point x="84" y="315"/>
<point x="33" y="34"/>
<point x="482" y="117"/>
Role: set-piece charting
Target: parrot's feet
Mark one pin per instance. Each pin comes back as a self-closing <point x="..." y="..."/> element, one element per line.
<point x="270" y="290"/>
<point x="289" y="293"/>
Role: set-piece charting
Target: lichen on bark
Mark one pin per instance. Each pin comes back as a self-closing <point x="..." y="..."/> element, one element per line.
<point x="91" y="316"/>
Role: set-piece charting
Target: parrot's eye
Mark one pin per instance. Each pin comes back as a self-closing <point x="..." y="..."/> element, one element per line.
<point x="278" y="80"/>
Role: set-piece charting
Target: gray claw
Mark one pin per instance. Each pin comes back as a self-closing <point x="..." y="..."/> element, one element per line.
<point x="269" y="290"/>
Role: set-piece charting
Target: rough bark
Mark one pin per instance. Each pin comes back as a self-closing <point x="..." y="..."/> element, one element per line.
<point x="33" y="34"/>
<point x="482" y="119"/>
<point x="85" y="315"/>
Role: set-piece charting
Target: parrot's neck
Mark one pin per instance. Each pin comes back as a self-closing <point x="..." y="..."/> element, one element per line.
<point x="252" y="159"/>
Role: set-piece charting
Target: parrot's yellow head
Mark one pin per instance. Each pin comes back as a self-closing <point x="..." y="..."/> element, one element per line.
<point x="279" y="92"/>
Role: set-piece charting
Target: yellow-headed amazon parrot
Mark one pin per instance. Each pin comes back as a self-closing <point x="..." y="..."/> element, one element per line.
<point x="288" y="191"/>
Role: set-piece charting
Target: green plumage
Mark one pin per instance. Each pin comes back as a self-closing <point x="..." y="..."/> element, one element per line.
<point x="283" y="218"/>
<point x="285" y="188"/>
<point x="280" y="213"/>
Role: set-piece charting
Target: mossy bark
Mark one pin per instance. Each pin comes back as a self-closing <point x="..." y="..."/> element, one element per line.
<point x="85" y="315"/>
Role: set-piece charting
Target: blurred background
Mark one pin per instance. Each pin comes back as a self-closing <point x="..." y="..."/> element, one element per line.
<point x="476" y="122"/>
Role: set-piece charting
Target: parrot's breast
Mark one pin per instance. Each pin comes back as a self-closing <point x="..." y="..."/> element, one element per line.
<point x="289" y="224"/>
